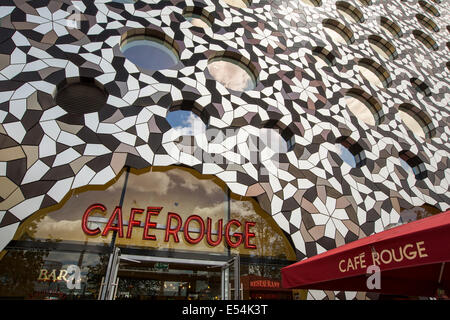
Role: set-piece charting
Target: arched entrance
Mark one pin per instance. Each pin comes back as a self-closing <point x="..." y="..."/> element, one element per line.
<point x="181" y="235"/>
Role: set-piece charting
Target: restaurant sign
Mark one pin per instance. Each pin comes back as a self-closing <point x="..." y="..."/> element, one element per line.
<point x="174" y="226"/>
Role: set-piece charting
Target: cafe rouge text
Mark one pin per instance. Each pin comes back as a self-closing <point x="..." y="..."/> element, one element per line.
<point x="193" y="229"/>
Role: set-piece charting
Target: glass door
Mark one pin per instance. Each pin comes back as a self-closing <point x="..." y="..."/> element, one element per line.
<point x="156" y="278"/>
<point x="231" y="279"/>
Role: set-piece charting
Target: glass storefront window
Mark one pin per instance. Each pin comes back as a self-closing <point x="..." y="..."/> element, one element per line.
<point x="191" y="220"/>
<point x="50" y="275"/>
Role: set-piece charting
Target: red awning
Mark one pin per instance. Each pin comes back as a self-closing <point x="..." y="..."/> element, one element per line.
<point x="413" y="260"/>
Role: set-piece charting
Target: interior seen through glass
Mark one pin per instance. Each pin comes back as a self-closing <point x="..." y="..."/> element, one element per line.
<point x="231" y="75"/>
<point x="360" y="110"/>
<point x="42" y="274"/>
<point x="149" y="53"/>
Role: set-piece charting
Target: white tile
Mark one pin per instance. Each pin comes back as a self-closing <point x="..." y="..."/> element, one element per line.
<point x="60" y="189"/>
<point x="36" y="172"/>
<point x="91" y="121"/>
<point x="47" y="147"/>
<point x="12" y="70"/>
<point x="7" y="233"/>
<point x="83" y="177"/>
<point x="142" y="131"/>
<point x="69" y="139"/>
<point x="95" y="150"/>
<point x="281" y="220"/>
<point x="126" y="123"/>
<point x="18" y="108"/>
<point x="20" y="40"/>
<point x="104" y="176"/>
<point x="330" y="230"/>
<point x="299" y="242"/>
<point x="146" y="153"/>
<point x="15" y="130"/>
<point x="27" y="207"/>
<point x="51" y="128"/>
<point x="52" y="113"/>
<point x="126" y="138"/>
<point x="65" y="157"/>
<point x="319" y="218"/>
<point x="3" y="166"/>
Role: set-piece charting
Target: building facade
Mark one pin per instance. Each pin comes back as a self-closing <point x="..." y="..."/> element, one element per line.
<point x="211" y="141"/>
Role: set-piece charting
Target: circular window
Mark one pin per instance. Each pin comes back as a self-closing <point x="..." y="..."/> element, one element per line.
<point x="374" y="72"/>
<point x="350" y="152"/>
<point x="420" y="86"/>
<point x="363" y="106"/>
<point x="412" y="164"/>
<point x="425" y="39"/>
<point x="416" y="120"/>
<point x="233" y="71"/>
<point x="338" y="32"/>
<point x="323" y="57"/>
<point x="390" y="27"/>
<point x="349" y="12"/>
<point x="149" y="49"/>
<point x="80" y="97"/>
<point x="427" y="22"/>
<point x="198" y="17"/>
<point x="429" y="8"/>
<point x="383" y="47"/>
<point x="186" y="122"/>
<point x="238" y="3"/>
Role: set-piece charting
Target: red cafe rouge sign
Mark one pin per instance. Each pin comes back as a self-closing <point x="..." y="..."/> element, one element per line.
<point x="173" y="227"/>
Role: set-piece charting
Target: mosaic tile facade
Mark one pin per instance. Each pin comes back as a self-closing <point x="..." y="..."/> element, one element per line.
<point x="311" y="193"/>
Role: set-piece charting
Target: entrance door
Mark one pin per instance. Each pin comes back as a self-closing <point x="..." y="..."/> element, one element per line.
<point x="157" y="278"/>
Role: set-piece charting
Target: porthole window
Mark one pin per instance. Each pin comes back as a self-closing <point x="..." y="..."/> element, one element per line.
<point x="314" y="3"/>
<point x="429" y="8"/>
<point x="277" y="136"/>
<point x="323" y="57"/>
<point x="80" y="96"/>
<point x="198" y="17"/>
<point x="338" y="31"/>
<point x="427" y="22"/>
<point x="421" y="86"/>
<point x="363" y="106"/>
<point x="416" y="120"/>
<point x="349" y="12"/>
<point x="238" y="3"/>
<point x="383" y="47"/>
<point x="350" y="152"/>
<point x="425" y="39"/>
<point x="374" y="72"/>
<point x="233" y="71"/>
<point x="186" y="122"/>
<point x="390" y="27"/>
<point x="411" y="162"/>
<point x="149" y="49"/>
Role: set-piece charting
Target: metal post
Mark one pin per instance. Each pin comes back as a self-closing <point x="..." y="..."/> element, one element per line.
<point x="107" y="291"/>
<point x="113" y="264"/>
<point x="237" y="276"/>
